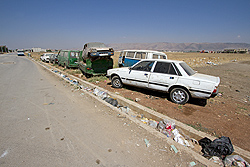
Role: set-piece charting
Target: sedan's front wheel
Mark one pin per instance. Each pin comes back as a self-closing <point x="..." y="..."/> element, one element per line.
<point x="116" y="82"/>
<point x="179" y="96"/>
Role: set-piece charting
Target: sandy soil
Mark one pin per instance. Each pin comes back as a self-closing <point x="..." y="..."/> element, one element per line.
<point x="228" y="114"/>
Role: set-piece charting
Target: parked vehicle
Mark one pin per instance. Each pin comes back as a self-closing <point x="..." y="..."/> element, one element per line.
<point x="54" y="58"/>
<point x="46" y="56"/>
<point x="96" y="59"/>
<point x="68" y="58"/>
<point x="174" y="77"/>
<point x="128" y="58"/>
<point x="96" y="49"/>
<point x="20" y="53"/>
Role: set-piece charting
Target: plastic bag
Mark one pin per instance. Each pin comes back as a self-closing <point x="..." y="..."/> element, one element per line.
<point x="219" y="147"/>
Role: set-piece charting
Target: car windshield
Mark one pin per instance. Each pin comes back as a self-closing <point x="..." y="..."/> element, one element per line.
<point x="188" y="69"/>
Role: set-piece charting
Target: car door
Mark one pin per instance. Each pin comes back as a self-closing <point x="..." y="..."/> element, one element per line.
<point x="120" y="60"/>
<point x="139" y="74"/>
<point x="129" y="59"/>
<point x="163" y="76"/>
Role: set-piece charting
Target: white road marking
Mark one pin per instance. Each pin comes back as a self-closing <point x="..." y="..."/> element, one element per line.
<point x="4" y="154"/>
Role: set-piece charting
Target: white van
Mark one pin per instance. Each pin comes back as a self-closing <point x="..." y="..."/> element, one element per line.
<point x="128" y="58"/>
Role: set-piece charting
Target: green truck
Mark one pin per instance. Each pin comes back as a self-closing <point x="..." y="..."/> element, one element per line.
<point x="95" y="59"/>
<point x="69" y="58"/>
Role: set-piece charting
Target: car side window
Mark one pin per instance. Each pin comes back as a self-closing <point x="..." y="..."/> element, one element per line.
<point x="140" y="55"/>
<point x="143" y="55"/>
<point x="162" y="57"/>
<point x="155" y="56"/>
<point x="74" y="54"/>
<point x="130" y="54"/>
<point x="144" y="66"/>
<point x="165" y="68"/>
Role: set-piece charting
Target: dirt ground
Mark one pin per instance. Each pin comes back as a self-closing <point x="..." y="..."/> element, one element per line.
<point x="225" y="115"/>
<point x="228" y="114"/>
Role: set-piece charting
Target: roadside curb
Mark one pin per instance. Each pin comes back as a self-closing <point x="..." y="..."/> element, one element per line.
<point x="149" y="114"/>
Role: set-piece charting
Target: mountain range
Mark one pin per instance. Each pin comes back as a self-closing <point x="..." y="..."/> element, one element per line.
<point x="166" y="46"/>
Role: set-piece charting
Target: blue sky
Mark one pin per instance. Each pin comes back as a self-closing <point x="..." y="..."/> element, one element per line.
<point x="67" y="24"/>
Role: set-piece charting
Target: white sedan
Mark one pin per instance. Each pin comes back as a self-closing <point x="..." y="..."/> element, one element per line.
<point x="174" y="77"/>
<point x="46" y="57"/>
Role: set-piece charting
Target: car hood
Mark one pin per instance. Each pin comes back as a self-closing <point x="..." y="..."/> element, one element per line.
<point x="114" y="70"/>
<point x="120" y="69"/>
<point x="210" y="78"/>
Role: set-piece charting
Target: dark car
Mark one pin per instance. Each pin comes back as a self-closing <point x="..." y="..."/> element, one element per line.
<point x="54" y="59"/>
<point x="96" y="59"/>
<point x="68" y="58"/>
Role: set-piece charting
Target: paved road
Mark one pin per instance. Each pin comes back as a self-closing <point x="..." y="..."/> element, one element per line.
<point x="45" y="122"/>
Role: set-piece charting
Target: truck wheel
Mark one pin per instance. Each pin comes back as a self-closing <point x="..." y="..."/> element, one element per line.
<point x="179" y="96"/>
<point x="116" y="82"/>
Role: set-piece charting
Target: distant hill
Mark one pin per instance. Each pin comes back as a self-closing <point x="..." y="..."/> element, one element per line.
<point x="179" y="46"/>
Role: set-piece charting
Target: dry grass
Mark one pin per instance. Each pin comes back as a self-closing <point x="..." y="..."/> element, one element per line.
<point x="200" y="59"/>
<point x="36" y="55"/>
<point x="203" y="59"/>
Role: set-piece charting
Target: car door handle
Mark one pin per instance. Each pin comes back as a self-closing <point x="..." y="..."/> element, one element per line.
<point x="171" y="77"/>
<point x="146" y="74"/>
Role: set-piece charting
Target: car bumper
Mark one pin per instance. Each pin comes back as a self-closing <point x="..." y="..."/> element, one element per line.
<point x="108" y="76"/>
<point x="214" y="94"/>
<point x="102" y="54"/>
<point x="202" y="94"/>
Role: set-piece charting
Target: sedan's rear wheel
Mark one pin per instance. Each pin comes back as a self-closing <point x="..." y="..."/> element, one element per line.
<point x="116" y="82"/>
<point x="179" y="96"/>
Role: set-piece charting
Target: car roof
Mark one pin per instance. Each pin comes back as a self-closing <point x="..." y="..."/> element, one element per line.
<point x="70" y="50"/>
<point x="151" y="51"/>
<point x="162" y="60"/>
